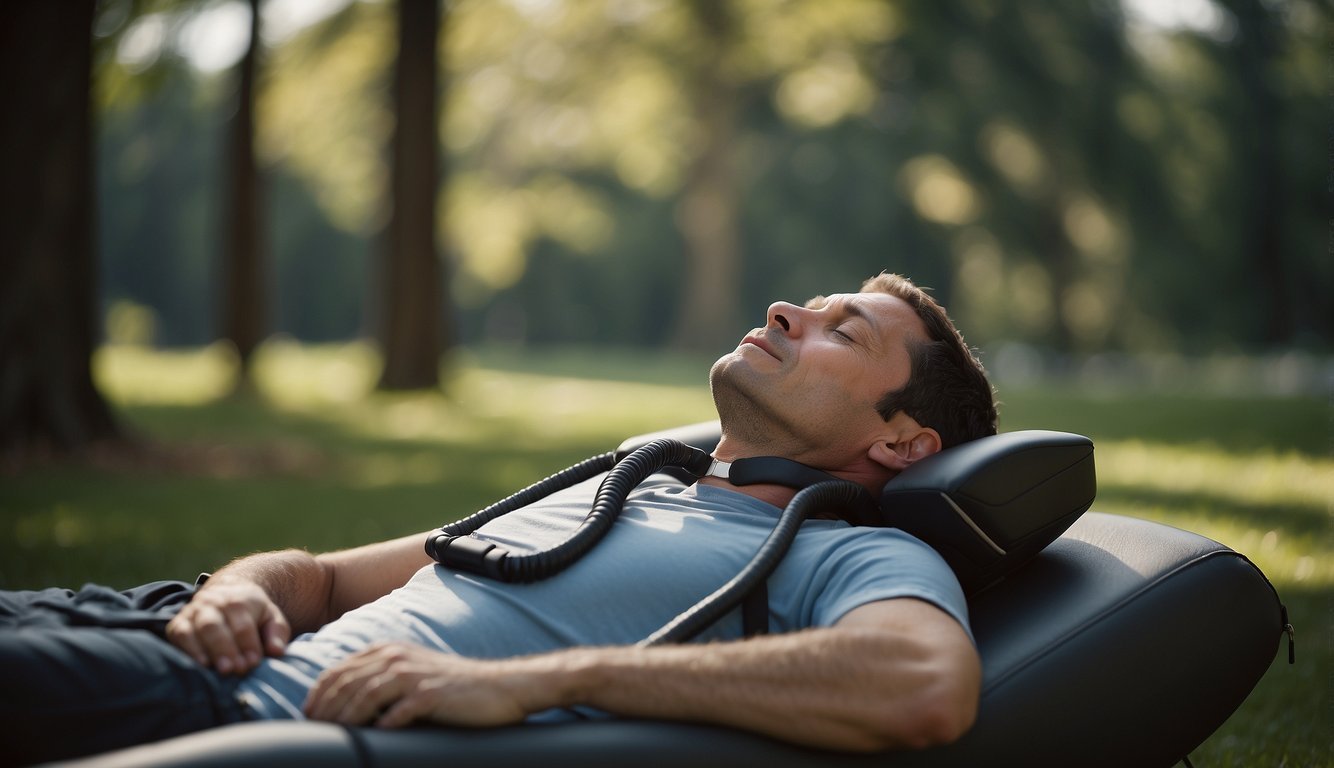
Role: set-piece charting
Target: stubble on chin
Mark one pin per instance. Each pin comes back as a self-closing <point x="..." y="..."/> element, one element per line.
<point x="745" y="418"/>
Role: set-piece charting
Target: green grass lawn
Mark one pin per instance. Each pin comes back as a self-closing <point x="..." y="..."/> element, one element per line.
<point x="319" y="460"/>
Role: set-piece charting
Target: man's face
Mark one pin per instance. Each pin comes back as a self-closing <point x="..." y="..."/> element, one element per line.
<point x="807" y="382"/>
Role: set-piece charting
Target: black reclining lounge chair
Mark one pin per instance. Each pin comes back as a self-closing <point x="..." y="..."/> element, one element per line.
<point x="1121" y="643"/>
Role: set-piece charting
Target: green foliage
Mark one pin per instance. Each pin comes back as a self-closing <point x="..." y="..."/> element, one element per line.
<point x="1067" y="175"/>
<point x="322" y="461"/>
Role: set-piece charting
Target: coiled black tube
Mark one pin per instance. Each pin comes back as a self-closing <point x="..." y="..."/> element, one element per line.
<point x="836" y="494"/>
<point x="453" y="546"/>
<point x="570" y="476"/>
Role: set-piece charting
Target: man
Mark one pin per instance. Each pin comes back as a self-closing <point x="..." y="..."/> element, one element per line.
<point x="871" y="649"/>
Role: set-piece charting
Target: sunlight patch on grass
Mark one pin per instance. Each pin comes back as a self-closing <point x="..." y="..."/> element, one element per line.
<point x="294" y="375"/>
<point x="487" y="406"/>
<point x="136" y="375"/>
<point x="335" y="384"/>
<point x="1261" y="479"/>
<point x="1275" y="509"/>
<point x="558" y="406"/>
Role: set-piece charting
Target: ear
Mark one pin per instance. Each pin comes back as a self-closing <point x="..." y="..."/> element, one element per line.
<point x="905" y="444"/>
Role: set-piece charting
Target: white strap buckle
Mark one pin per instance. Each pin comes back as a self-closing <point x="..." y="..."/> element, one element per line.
<point x="720" y="469"/>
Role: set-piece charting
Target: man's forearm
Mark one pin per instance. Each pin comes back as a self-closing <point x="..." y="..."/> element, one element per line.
<point x="849" y="689"/>
<point x="298" y="583"/>
<point x="313" y="590"/>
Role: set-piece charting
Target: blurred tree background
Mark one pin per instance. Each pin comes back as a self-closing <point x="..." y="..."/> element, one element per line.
<point x="1079" y="178"/>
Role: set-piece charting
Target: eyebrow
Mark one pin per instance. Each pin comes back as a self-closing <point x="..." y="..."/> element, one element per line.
<point x="854" y="308"/>
<point x="851" y="307"/>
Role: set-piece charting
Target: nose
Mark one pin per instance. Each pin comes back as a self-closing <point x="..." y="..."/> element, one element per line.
<point x="787" y="316"/>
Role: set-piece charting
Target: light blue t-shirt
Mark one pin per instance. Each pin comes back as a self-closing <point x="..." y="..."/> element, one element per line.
<point x="671" y="546"/>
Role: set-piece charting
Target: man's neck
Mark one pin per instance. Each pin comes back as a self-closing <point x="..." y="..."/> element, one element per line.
<point x="872" y="477"/>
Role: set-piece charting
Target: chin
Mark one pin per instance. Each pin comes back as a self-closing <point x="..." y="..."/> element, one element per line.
<point x="727" y="373"/>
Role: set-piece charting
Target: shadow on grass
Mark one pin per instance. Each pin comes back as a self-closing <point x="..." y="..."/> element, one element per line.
<point x="238" y="476"/>
<point x="1234" y="424"/>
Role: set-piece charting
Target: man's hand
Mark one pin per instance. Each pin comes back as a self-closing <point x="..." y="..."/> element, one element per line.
<point x="230" y="626"/>
<point x="395" y="684"/>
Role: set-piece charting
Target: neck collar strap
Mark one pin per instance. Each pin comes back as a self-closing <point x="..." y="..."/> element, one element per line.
<point x="791" y="474"/>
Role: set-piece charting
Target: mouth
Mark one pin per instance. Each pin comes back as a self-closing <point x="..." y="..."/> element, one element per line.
<point x="762" y="343"/>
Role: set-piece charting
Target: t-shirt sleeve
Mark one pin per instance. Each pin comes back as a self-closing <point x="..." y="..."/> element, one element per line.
<point x="884" y="564"/>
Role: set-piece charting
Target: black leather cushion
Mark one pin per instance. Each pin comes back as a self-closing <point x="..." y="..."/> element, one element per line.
<point x="989" y="505"/>
<point x="1124" y="643"/>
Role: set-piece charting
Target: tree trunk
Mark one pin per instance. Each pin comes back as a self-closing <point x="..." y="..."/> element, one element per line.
<point x="48" y="267"/>
<point x="413" y="323"/>
<point x="708" y="211"/>
<point x="244" y="310"/>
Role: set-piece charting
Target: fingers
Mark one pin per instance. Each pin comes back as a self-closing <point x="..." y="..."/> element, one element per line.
<point x="371" y="696"/>
<point x="405" y="712"/>
<point x="201" y="630"/>
<point x="215" y="634"/>
<point x="390" y="685"/>
<point x="230" y="628"/>
<point x="237" y="647"/>
<point x="358" y="689"/>
<point x="181" y="634"/>
<point x="276" y="633"/>
<point x="396" y="684"/>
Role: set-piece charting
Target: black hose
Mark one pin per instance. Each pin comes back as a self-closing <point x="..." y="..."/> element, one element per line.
<point x="833" y="493"/>
<point x="453" y="546"/>
<point x="566" y="478"/>
<point x="607" y="506"/>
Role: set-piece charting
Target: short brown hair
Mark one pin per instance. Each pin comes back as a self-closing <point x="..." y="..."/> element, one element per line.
<point x="947" y="388"/>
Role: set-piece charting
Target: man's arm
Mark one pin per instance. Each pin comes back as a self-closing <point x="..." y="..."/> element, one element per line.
<point x="891" y="674"/>
<point x="254" y="605"/>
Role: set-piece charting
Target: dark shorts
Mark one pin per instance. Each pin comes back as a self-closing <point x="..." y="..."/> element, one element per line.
<point x="88" y="671"/>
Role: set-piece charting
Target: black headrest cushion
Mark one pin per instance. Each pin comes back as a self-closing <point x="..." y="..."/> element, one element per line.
<point x="991" y="504"/>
